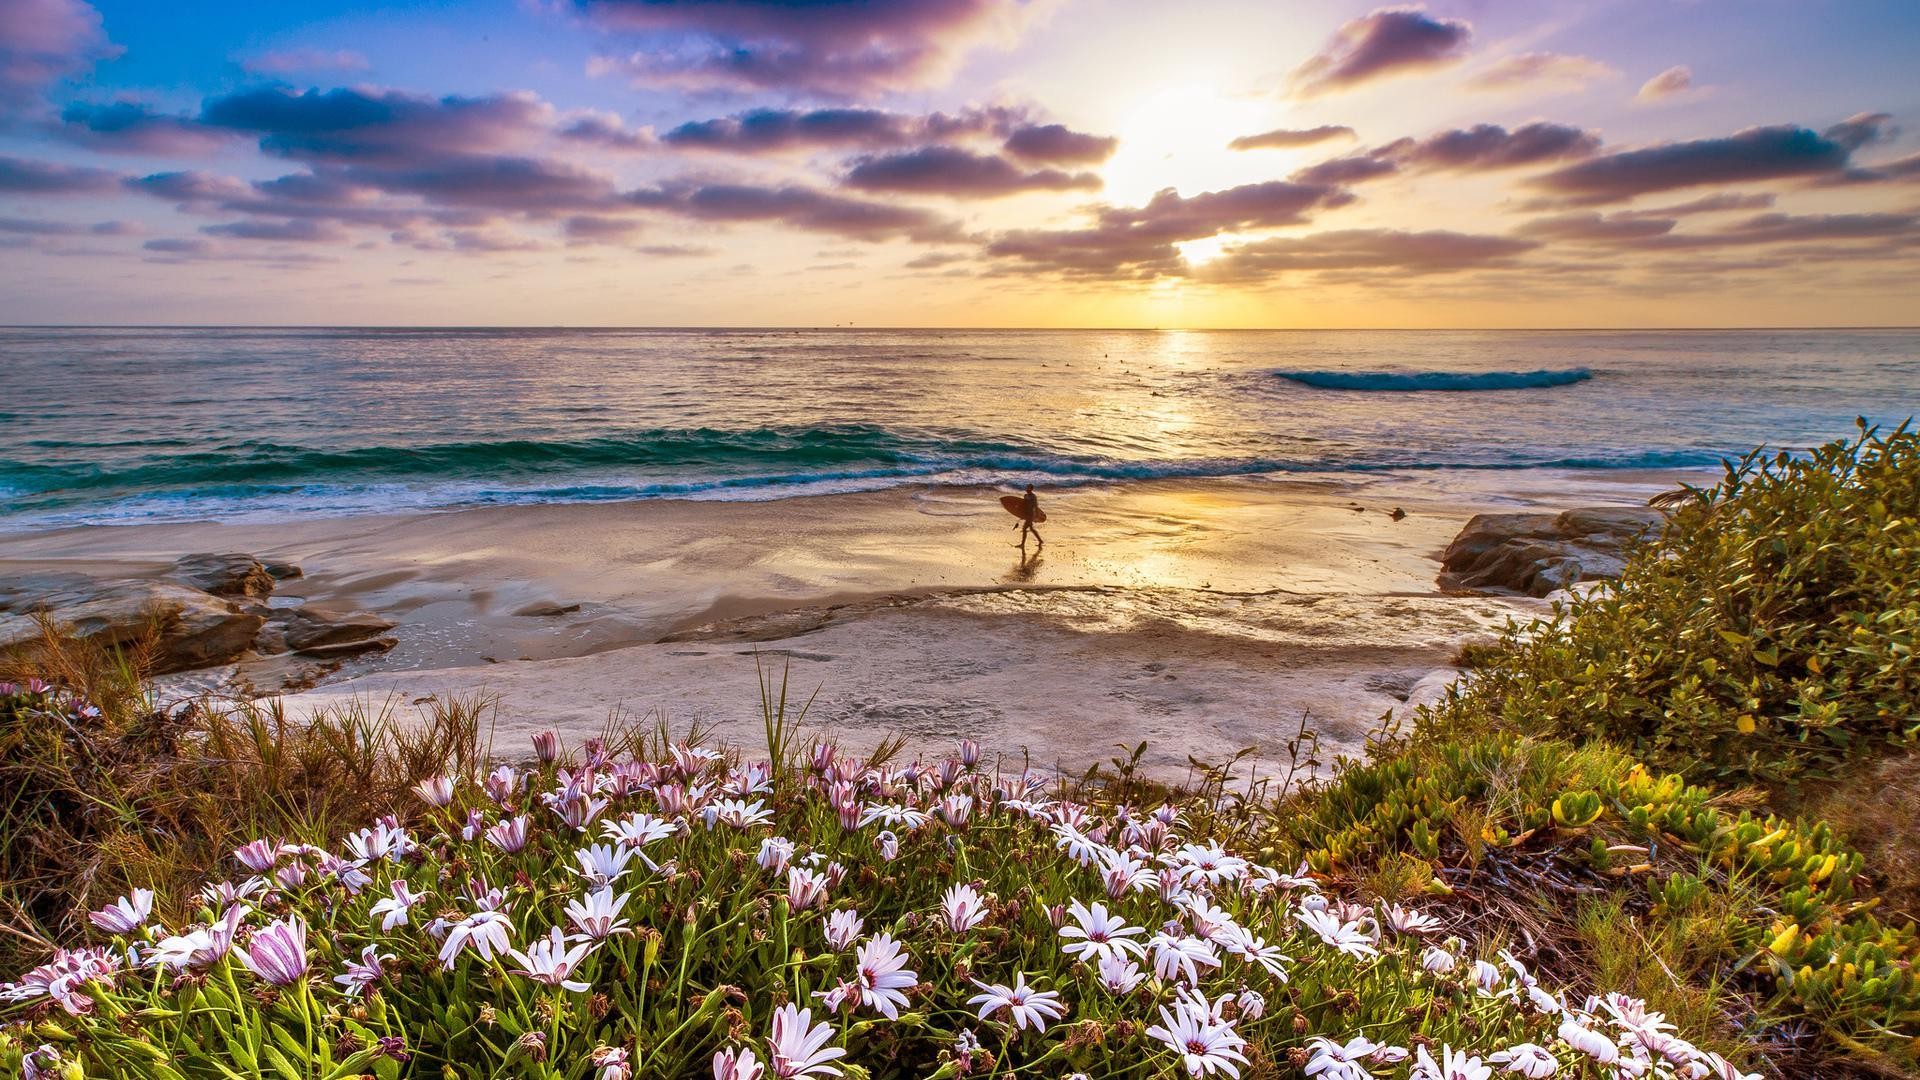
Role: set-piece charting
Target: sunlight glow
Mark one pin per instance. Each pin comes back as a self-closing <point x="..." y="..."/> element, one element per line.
<point x="1177" y="138"/>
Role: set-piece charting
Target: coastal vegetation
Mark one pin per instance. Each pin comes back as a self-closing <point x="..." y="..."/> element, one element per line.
<point x="1629" y="844"/>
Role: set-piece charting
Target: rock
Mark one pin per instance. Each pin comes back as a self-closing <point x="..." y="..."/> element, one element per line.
<point x="314" y="629"/>
<point x="231" y="574"/>
<point x="1536" y="554"/>
<point x="283" y="571"/>
<point x="547" y="609"/>
<point x="189" y="628"/>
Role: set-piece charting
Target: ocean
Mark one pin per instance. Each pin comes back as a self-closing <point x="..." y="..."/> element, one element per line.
<point x="124" y="425"/>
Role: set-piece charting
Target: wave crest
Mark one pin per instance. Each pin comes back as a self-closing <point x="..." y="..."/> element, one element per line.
<point x="1408" y="381"/>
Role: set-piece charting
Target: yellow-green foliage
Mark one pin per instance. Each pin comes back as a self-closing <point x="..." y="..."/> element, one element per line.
<point x="1767" y="636"/>
<point x="1780" y="891"/>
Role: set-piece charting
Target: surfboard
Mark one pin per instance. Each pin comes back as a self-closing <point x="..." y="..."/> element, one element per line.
<point x="1017" y="506"/>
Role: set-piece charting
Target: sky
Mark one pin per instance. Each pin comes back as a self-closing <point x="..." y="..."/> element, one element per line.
<point x="1106" y="163"/>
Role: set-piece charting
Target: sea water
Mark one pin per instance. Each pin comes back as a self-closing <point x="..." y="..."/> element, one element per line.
<point x="103" y="425"/>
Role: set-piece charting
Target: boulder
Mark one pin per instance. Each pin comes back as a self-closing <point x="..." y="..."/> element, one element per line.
<point x="1536" y="554"/>
<point x="189" y="628"/>
<point x="314" y="629"/>
<point x="231" y="574"/>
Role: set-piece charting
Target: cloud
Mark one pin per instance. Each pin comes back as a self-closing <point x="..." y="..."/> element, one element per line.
<point x="836" y="47"/>
<point x="190" y="186"/>
<point x="1674" y="82"/>
<point x="598" y="229"/>
<point x="1139" y="242"/>
<point x="306" y="231"/>
<point x="1285" y="138"/>
<point x="675" y="251"/>
<point x="1398" y="251"/>
<point x="1481" y="148"/>
<point x="1346" y="170"/>
<point x="1647" y="233"/>
<point x="134" y="128"/>
<point x="1590" y="226"/>
<point x="1706" y="204"/>
<point x="494" y="182"/>
<point x="1540" y="73"/>
<point x="1385" y="42"/>
<point x="1490" y="146"/>
<point x="354" y="125"/>
<point x="36" y="227"/>
<point x="949" y="170"/>
<point x="1862" y="129"/>
<point x="607" y="132"/>
<point x="45" y="40"/>
<point x="290" y="61"/>
<point x="1906" y="168"/>
<point x="1057" y="144"/>
<point x="794" y="206"/>
<point x="26" y="177"/>
<point x="1758" y="153"/>
<point x="772" y="131"/>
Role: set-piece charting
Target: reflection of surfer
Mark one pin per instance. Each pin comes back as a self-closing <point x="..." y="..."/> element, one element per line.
<point x="1030" y="505"/>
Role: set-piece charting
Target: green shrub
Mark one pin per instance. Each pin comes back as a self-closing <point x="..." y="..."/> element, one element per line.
<point x="1774" y="898"/>
<point x="1767" y="636"/>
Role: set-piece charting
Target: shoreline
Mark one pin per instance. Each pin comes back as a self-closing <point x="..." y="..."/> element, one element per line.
<point x="1206" y="616"/>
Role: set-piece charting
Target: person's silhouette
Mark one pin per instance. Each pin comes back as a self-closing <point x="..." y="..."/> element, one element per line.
<point x="1032" y="504"/>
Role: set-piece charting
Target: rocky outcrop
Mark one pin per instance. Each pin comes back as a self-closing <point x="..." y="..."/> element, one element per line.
<point x="207" y="610"/>
<point x="224" y="575"/>
<point x="321" y="631"/>
<point x="1535" y="554"/>
<point x="185" y="628"/>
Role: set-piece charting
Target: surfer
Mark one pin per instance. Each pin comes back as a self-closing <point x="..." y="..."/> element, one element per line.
<point x="1030" y="513"/>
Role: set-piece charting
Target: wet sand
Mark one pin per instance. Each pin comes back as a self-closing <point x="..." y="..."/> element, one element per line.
<point x="1204" y="617"/>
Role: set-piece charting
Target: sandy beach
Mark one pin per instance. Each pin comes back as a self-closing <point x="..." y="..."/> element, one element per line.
<point x="1205" y="617"/>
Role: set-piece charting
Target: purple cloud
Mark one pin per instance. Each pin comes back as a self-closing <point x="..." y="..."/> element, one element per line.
<point x="1654" y="234"/>
<point x="290" y="61"/>
<point x="1540" y="73"/>
<point x="949" y="170"/>
<point x="1481" y="148"/>
<point x="1393" y="250"/>
<point x="1139" y="242"/>
<point x="796" y="207"/>
<point x="44" y="40"/>
<point x="1057" y="144"/>
<point x="36" y="227"/>
<point x="1759" y="153"/>
<point x="768" y="131"/>
<point x="22" y="176"/>
<point x="1490" y="146"/>
<point x="133" y="128"/>
<point x="607" y="132"/>
<point x="499" y="183"/>
<point x="1388" y="41"/>
<point x="1346" y="170"/>
<point x="838" y="47"/>
<point x="675" y="251"/>
<point x="190" y="187"/>
<point x="1707" y="204"/>
<point x="1862" y="129"/>
<point x="304" y="230"/>
<point x="378" y="126"/>
<point x="1286" y="138"/>
<point x="598" y="229"/>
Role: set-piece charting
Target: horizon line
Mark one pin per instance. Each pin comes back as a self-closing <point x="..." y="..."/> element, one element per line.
<point x="956" y="329"/>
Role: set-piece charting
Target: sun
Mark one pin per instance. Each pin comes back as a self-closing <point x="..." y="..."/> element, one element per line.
<point x="1177" y="138"/>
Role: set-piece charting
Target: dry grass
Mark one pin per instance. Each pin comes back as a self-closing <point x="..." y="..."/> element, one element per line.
<point x="1878" y="809"/>
<point x="140" y="796"/>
